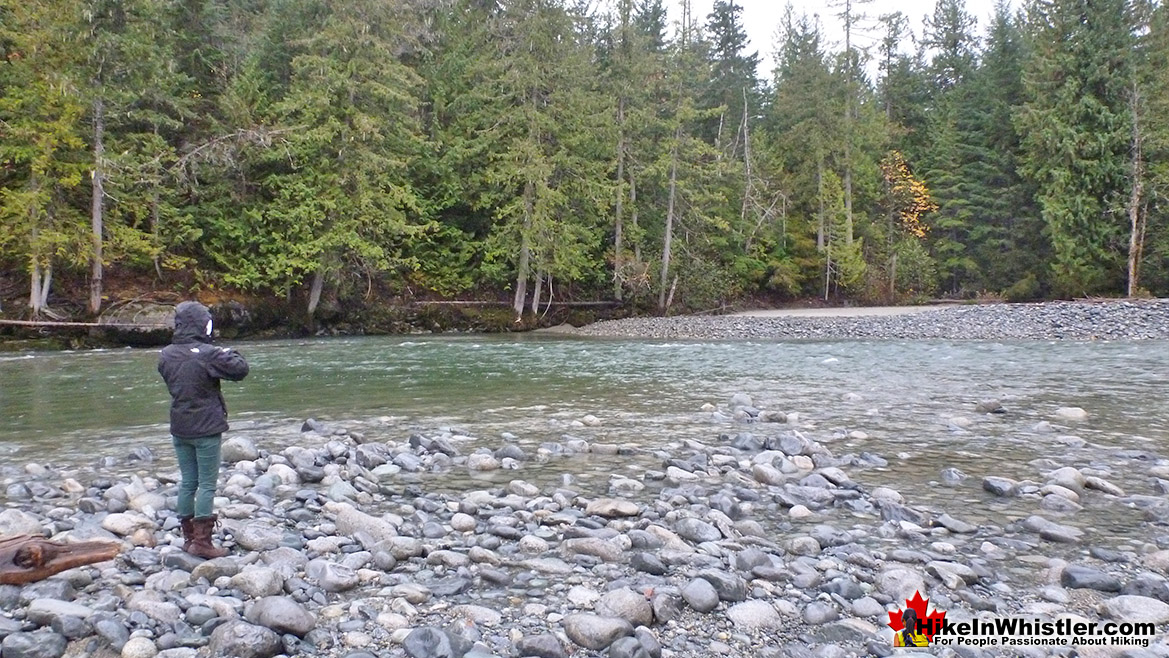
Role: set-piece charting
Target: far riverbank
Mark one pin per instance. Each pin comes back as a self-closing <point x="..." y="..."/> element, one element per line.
<point x="1103" y="320"/>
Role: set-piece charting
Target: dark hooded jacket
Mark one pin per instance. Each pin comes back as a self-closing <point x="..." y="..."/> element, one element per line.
<point x="192" y="368"/>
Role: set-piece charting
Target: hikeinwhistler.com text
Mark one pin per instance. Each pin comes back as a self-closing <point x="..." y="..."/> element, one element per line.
<point x="1022" y="631"/>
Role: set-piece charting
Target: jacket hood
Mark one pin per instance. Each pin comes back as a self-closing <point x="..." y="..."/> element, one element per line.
<point x="191" y="323"/>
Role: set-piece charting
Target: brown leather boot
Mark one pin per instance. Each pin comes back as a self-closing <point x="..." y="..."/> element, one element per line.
<point x="202" y="546"/>
<point x="188" y="530"/>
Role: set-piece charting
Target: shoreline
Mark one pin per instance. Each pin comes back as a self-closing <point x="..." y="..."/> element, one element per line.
<point x="1103" y="320"/>
<point x="766" y="538"/>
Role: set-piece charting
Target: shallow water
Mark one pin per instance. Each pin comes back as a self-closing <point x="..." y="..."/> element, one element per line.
<point x="904" y="395"/>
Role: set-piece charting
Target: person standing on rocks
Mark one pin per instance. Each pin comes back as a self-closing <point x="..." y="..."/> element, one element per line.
<point x="193" y="368"/>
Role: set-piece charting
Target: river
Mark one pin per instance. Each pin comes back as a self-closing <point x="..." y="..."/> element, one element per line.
<point x="911" y="402"/>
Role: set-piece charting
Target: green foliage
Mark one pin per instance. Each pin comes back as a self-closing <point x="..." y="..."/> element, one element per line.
<point x="438" y="148"/>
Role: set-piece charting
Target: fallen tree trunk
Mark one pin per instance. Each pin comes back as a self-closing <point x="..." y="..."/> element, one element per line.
<point x="28" y="558"/>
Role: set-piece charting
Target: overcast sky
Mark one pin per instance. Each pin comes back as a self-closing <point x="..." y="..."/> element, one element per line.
<point x="762" y="17"/>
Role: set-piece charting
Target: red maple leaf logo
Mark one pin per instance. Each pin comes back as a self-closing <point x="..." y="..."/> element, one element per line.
<point x="929" y="622"/>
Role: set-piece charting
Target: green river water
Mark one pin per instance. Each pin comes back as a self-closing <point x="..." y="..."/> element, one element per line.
<point x="911" y="402"/>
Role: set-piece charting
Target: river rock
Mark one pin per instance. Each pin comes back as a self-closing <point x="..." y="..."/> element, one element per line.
<point x="1135" y="609"/>
<point x="1081" y="577"/>
<point x="43" y="611"/>
<point x="258" y="582"/>
<point x="952" y="574"/>
<point x="139" y="647"/>
<point x="729" y="586"/>
<point x="38" y="644"/>
<point x="351" y="522"/>
<point x="594" y="631"/>
<point x="15" y="522"/>
<point x="480" y="461"/>
<point x="594" y="546"/>
<point x="1103" y="486"/>
<point x="1052" y="531"/>
<point x="1158" y="561"/>
<point x="1071" y="413"/>
<point x="697" y="530"/>
<point x="628" y="605"/>
<point x="612" y="508"/>
<point x="819" y="612"/>
<point x="1000" y="486"/>
<point x="956" y="525"/>
<point x="429" y="642"/>
<point x="258" y="536"/>
<point x="753" y="615"/>
<point x="238" y="449"/>
<point x="545" y="645"/>
<point x="331" y="576"/>
<point x="126" y="523"/>
<point x="700" y="595"/>
<point x="900" y="584"/>
<point x="281" y="614"/>
<point x="240" y="639"/>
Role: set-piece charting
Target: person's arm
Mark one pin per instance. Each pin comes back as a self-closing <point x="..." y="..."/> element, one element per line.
<point x="227" y="364"/>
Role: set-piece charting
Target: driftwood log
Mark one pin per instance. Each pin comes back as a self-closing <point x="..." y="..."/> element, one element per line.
<point x="29" y="558"/>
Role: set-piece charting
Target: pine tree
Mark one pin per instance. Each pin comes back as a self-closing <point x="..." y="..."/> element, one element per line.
<point x="1075" y="124"/>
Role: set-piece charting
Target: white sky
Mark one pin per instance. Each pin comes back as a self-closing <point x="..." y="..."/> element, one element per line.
<point x="762" y="18"/>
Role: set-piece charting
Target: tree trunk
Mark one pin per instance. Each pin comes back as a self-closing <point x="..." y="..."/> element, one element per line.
<point x="521" y="283"/>
<point x="155" y="228"/>
<point x="633" y="216"/>
<point x="848" y="122"/>
<point x="670" y="205"/>
<point x="314" y="293"/>
<point x="34" y="292"/>
<point x="618" y="227"/>
<point x="536" y="292"/>
<point x="98" y="206"/>
<point x="1136" y="234"/>
<point x="820" y="195"/>
<point x="747" y="185"/>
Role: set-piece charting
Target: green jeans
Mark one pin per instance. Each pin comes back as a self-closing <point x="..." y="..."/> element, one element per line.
<point x="199" y="465"/>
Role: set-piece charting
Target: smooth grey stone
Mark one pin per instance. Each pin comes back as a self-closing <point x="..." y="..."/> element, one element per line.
<point x="72" y="628"/>
<point x="445" y="587"/>
<point x="628" y="605"/>
<point x="1080" y="577"/>
<point x="729" y="586"/>
<point x="819" y="612"/>
<point x="545" y="645"/>
<point x="281" y="614"/>
<point x="648" y="563"/>
<point x="697" y="530"/>
<point x="428" y="642"/>
<point x="844" y="587"/>
<point x="197" y="615"/>
<point x="627" y="647"/>
<point x="181" y="560"/>
<point x="111" y="630"/>
<point x="999" y="486"/>
<point x="666" y="606"/>
<point x="38" y="644"/>
<point x="240" y="639"/>
<point x="1148" y="587"/>
<point x="701" y="595"/>
<point x="9" y="626"/>
<point x="594" y="631"/>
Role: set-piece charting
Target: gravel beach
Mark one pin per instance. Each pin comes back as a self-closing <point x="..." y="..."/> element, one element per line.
<point x="761" y="541"/>
<point x="1103" y="320"/>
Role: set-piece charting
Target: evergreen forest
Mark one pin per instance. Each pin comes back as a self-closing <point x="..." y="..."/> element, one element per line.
<point x="532" y="150"/>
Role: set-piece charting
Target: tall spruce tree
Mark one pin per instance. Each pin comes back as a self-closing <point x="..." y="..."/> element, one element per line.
<point x="1076" y="136"/>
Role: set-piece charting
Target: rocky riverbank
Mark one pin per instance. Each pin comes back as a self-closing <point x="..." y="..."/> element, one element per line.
<point x="1105" y="320"/>
<point x="352" y="541"/>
